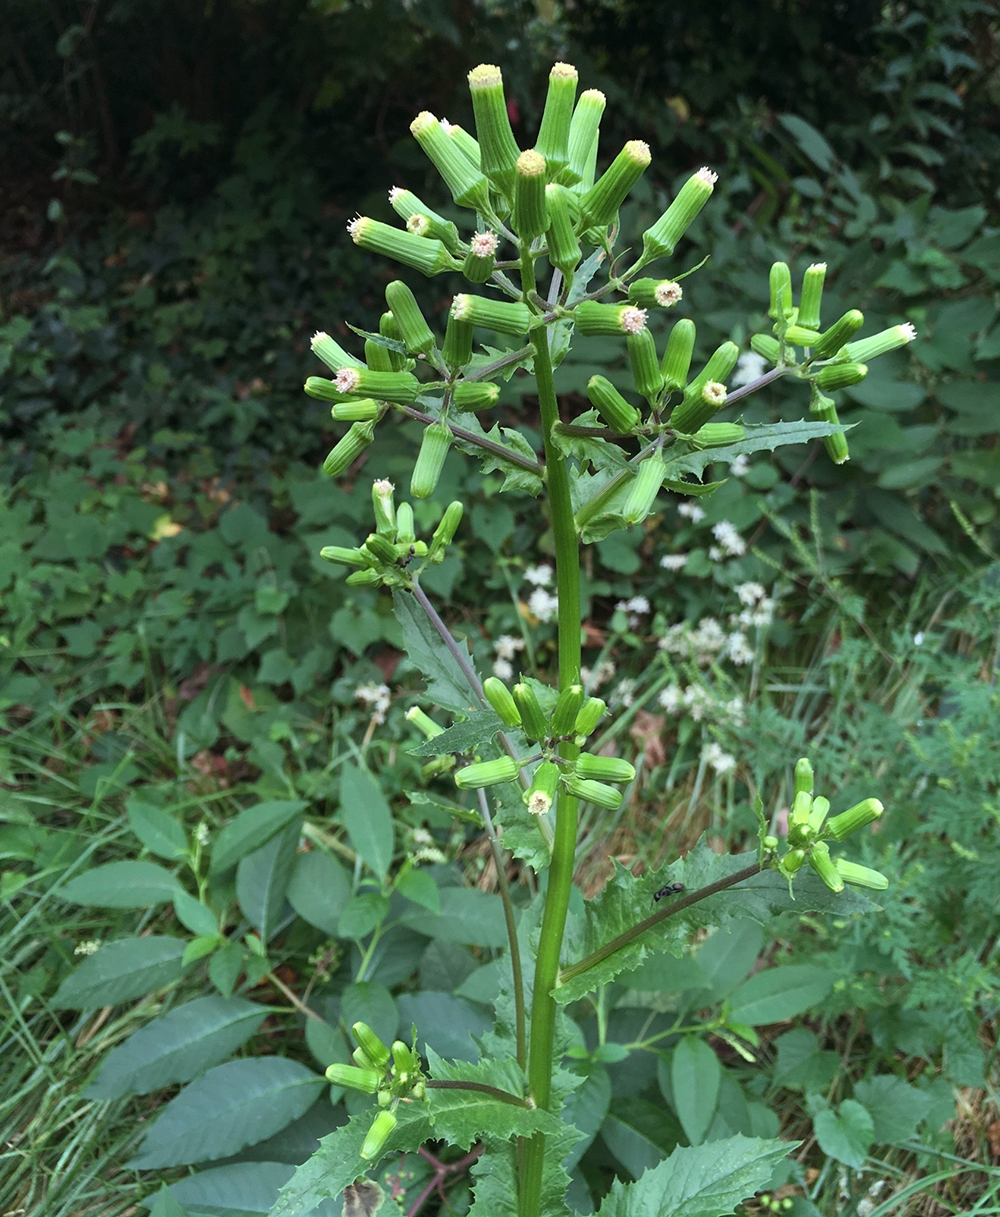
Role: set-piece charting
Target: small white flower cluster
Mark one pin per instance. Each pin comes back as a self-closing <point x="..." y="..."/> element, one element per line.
<point x="425" y="850"/>
<point x="692" y="510"/>
<point x="377" y="697"/>
<point x="698" y="703"/>
<point x="593" y="679"/>
<point x="740" y="466"/>
<point x="637" y="607"/>
<point x="506" y="647"/>
<point x="624" y="695"/>
<point x="738" y="648"/>
<point x="88" y="947"/>
<point x="674" y="561"/>
<point x="543" y="604"/>
<point x="540" y="576"/>
<point x="731" y="544"/>
<point x="201" y="835"/>
<point x="701" y="644"/>
<point x="749" y="367"/>
<point x="713" y="756"/>
<point x="758" y="610"/>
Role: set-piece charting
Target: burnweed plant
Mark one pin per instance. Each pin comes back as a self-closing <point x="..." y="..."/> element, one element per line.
<point x="542" y="230"/>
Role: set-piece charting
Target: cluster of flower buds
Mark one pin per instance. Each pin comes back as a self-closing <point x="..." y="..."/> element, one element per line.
<point x="392" y="554"/>
<point x="830" y="359"/>
<point x="391" y="1075"/>
<point x="772" y="1204"/>
<point x="810" y="831"/>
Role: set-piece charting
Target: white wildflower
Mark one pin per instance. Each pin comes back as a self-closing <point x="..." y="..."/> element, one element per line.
<point x="638" y="604"/>
<point x="697" y="702"/>
<point x="692" y="510"/>
<point x="713" y="755"/>
<point x="708" y="639"/>
<point x="918" y="638"/>
<point x="750" y="593"/>
<point x="727" y="536"/>
<point x="599" y="676"/>
<point x="543" y="604"/>
<point x="676" y="641"/>
<point x="738" y="649"/>
<point x="87" y="948"/>
<point x="749" y="367"/>
<point x="734" y="710"/>
<point x="670" y="698"/>
<point x="503" y="668"/>
<point x="741" y="466"/>
<point x="507" y="646"/>
<point x="715" y="553"/>
<point x="540" y="576"/>
<point x="625" y="693"/>
<point x="673" y="561"/>
<point x="201" y="834"/>
<point x="377" y="697"/>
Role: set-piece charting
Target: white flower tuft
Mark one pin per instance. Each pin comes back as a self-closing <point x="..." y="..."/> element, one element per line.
<point x="356" y="227"/>
<point x="483" y="244"/>
<point x="720" y="761"/>
<point x="908" y="330"/>
<point x="633" y="320"/>
<point x="377" y="697"/>
<point x="542" y="604"/>
<point x="692" y="510"/>
<point x="714" y="393"/>
<point x="749" y="367"/>
<point x="705" y="174"/>
<point x="540" y="576"/>
<point x="729" y="539"/>
<point x="346" y="380"/>
<point x="667" y="294"/>
<point x="674" y="561"/>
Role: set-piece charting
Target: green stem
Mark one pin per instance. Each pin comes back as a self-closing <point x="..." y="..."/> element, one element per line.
<point x="503" y="1095"/>
<point x="543" y="1007"/>
<point x="470" y="437"/>
<point x="616" y="944"/>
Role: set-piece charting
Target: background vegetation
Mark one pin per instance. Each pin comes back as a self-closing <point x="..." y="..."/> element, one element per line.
<point x="174" y="653"/>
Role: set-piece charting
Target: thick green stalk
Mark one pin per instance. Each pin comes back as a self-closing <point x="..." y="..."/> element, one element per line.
<point x="543" y="1007"/>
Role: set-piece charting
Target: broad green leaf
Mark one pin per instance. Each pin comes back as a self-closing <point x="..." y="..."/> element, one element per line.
<point x="809" y="140"/>
<point x="695" y="1075"/>
<point x="165" y="1205"/>
<point x="780" y="993"/>
<point x="367" y="818"/>
<point x="240" y="1189"/>
<point x="195" y="916"/>
<point x="497" y="1172"/>
<point x="156" y="829"/>
<point x="119" y="971"/>
<point x="516" y="477"/>
<point x="419" y="886"/>
<point x="445" y="1024"/>
<point x="759" y="437"/>
<point x="338" y="1160"/>
<point x="896" y="1107"/>
<point x="362" y="914"/>
<point x="468" y="736"/>
<point x="729" y="954"/>
<point x="846" y="1134"/>
<point x="467" y="915"/>
<point x="319" y="890"/>
<point x="250" y="830"/>
<point x="233" y="1105"/>
<point x="586" y="1109"/>
<point x="703" y="1181"/>
<point x="262" y="879"/>
<point x="446" y="686"/>
<point x="121" y="885"/>
<point x="177" y="1046"/>
<point x="226" y="965"/>
<point x="463" y="1116"/>
<point x="639" y="1133"/>
<point x="802" y="1063"/>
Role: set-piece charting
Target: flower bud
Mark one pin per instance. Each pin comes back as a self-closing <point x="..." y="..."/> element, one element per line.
<point x="566" y="709"/>
<point x="799" y="336"/>
<point x="861" y="876"/>
<point x="799" y="835"/>
<point x="388" y="327"/>
<point x="444" y="534"/>
<point x="599" y="206"/>
<point x="770" y="842"/>
<point x="593" y="792"/>
<point x="466" y="143"/>
<point x="801" y="804"/>
<point x="468" y="186"/>
<point x="346" y="557"/>
<point x="406" y="205"/>
<point x="529" y="218"/>
<point x="501" y="316"/>
<point x="655" y="293"/>
<point x="583" y="134"/>
<point x="370" y="1042"/>
<point x="811" y="296"/>
<point x="563" y="244"/>
<point x="332" y="353"/>
<point x="719" y="435"/>
<point x="363" y="410"/>
<point x="780" y="283"/>
<point x="430" y="460"/>
<point x="553" y="134"/>
<point x="381" y="548"/>
<point x="377" y="356"/>
<point x="804" y="778"/>
<point x="403" y="1059"/>
<point x="608" y="320"/>
<point x="405" y="531"/>
<point x="457" y="348"/>
<point x="401" y="387"/>
<point x="612" y="407"/>
<point x="427" y="256"/>
<point x="365" y="1080"/>
<point x="475" y="395"/>
<point x="706" y="394"/>
<point x="423" y="722"/>
<point x="841" y="375"/>
<point x="533" y="721"/>
<point x="384" y="507"/>
<point x="880" y="344"/>
<point x="481" y="260"/>
<point x="823" y="865"/>
<point x="437" y="766"/>
<point x="792" y="862"/>
<point x="718" y="368"/>
<point x="540" y="794"/>
<point x="500" y="698"/>
<point x="766" y="345"/>
<point x="818" y="813"/>
<point x="433" y="227"/>
<point x="498" y="149"/>
<point x="677" y="357"/>
<point x="348" y="448"/>
<point x="662" y="238"/>
<point x="823" y="409"/>
<point x="414" y="331"/>
<point x="380" y="1132"/>
<point x="487" y="773"/>
<point x="603" y="768"/>
<point x="365" y="578"/>
<point x="841" y="332"/>
<point x="363" y="1060"/>
<point x="858" y="816"/>
<point x="645" y="488"/>
<point x="591" y="713"/>
<point x="645" y="365"/>
<point x="322" y="389"/>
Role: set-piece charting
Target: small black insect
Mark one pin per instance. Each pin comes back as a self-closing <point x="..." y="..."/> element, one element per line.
<point x="668" y="889"/>
<point x="410" y="555"/>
